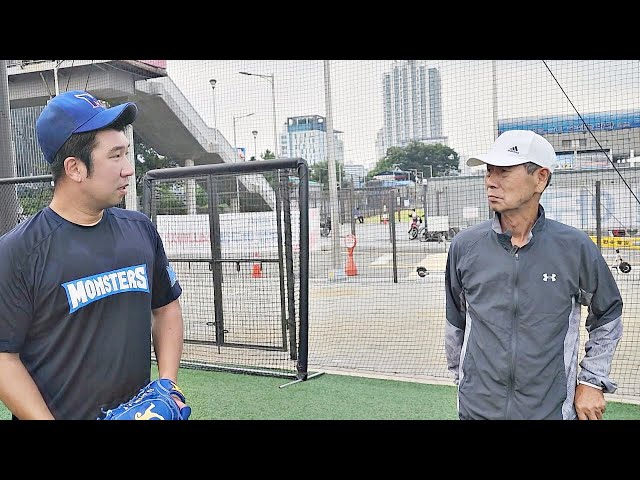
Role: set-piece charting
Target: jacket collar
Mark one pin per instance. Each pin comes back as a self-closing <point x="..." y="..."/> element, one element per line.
<point x="537" y="226"/>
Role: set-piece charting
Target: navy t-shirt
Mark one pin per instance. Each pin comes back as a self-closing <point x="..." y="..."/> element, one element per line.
<point x="75" y="303"/>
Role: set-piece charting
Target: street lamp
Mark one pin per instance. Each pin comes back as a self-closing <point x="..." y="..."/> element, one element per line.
<point x="416" y="176"/>
<point x="212" y="82"/>
<point x="255" y="149"/>
<point x="235" y="146"/>
<point x="269" y="78"/>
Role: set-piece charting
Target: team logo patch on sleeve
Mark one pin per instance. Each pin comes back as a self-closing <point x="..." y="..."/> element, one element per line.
<point x="83" y="291"/>
<point x="172" y="275"/>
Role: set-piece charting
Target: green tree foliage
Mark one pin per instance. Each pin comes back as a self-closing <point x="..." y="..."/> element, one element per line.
<point x="319" y="172"/>
<point x="419" y="156"/>
<point x="270" y="176"/>
<point x="148" y="159"/>
<point x="268" y="154"/>
<point x="33" y="197"/>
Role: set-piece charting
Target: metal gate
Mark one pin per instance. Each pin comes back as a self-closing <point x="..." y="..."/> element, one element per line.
<point x="237" y="236"/>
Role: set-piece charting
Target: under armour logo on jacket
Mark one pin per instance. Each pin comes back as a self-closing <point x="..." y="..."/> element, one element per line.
<point x="546" y="277"/>
<point x="514" y="149"/>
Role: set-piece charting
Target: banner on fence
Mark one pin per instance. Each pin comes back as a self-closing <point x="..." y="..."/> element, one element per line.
<point x="632" y="243"/>
<point x="241" y="234"/>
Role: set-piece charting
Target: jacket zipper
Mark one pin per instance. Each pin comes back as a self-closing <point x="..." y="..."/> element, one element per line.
<point x="514" y="339"/>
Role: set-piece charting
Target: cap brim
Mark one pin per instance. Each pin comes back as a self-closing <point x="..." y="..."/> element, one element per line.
<point x="497" y="160"/>
<point x="127" y="111"/>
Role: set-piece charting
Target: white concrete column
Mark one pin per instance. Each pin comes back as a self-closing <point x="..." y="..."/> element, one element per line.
<point x="131" y="199"/>
<point x="190" y="190"/>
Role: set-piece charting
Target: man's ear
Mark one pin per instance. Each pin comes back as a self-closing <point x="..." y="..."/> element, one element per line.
<point x="75" y="169"/>
<point x="542" y="177"/>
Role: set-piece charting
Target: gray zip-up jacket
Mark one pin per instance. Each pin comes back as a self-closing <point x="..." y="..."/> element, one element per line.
<point x="512" y="336"/>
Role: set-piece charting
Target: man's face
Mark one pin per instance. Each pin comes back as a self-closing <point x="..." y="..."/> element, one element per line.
<point x="511" y="189"/>
<point x="109" y="179"/>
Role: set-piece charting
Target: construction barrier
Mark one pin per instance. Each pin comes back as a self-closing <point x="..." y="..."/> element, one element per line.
<point x="632" y="243"/>
<point x="256" y="270"/>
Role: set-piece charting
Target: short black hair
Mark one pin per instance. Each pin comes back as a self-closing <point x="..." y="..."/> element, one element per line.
<point x="80" y="145"/>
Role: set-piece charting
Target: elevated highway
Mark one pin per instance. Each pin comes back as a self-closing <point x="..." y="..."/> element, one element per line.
<point x="167" y="121"/>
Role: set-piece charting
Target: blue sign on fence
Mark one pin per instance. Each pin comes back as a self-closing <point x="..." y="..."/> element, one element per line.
<point x="571" y="124"/>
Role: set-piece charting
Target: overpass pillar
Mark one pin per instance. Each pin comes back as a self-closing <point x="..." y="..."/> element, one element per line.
<point x="8" y="198"/>
<point x="190" y="191"/>
<point x="131" y="200"/>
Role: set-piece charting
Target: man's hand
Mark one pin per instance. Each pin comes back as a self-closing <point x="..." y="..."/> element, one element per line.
<point x="590" y="403"/>
<point x="179" y="401"/>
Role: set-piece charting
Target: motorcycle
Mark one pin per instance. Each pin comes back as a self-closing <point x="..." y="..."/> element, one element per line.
<point x="414" y="228"/>
<point x="426" y="236"/>
<point x="621" y="265"/>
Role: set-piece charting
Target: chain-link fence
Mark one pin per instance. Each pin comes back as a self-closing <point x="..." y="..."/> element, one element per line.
<point x="376" y="297"/>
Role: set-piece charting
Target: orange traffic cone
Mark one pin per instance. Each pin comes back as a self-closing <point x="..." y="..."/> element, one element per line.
<point x="350" y="268"/>
<point x="256" y="271"/>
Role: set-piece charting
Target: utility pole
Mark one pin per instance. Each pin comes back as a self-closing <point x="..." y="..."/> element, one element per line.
<point x="271" y="79"/>
<point x="55" y="76"/>
<point x="331" y="164"/>
<point x="213" y="82"/>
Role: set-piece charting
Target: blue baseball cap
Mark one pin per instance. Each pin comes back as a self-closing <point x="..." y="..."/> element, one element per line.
<point x="76" y="111"/>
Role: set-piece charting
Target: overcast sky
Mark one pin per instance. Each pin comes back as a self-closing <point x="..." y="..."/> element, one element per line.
<point x="523" y="88"/>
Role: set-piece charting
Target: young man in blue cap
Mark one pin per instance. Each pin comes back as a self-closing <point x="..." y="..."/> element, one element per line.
<point x="514" y="288"/>
<point x="85" y="287"/>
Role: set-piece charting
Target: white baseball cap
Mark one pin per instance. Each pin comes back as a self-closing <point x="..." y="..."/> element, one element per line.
<point x="515" y="147"/>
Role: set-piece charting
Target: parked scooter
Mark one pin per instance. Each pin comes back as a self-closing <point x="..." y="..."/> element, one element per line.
<point x="415" y="227"/>
<point x="621" y="265"/>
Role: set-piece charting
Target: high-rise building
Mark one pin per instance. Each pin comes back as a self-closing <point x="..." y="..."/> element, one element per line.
<point x="306" y="137"/>
<point x="356" y="173"/>
<point x="412" y="104"/>
<point x="380" y="145"/>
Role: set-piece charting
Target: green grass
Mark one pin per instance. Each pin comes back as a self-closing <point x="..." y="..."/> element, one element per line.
<point x="233" y="396"/>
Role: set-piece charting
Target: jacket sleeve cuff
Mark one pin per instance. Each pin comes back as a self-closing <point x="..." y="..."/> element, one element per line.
<point x="590" y="384"/>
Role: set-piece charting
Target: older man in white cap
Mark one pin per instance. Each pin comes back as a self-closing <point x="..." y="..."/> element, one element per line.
<point x="515" y="287"/>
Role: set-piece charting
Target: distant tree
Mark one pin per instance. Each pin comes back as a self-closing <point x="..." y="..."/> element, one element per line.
<point x="319" y="172"/>
<point x="269" y="176"/>
<point x="268" y="154"/>
<point x="419" y="156"/>
<point x="148" y="159"/>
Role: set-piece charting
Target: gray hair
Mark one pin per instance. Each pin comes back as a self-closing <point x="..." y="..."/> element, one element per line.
<point x="532" y="167"/>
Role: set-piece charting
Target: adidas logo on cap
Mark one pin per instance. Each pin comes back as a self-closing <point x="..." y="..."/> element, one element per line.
<point x="527" y="146"/>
